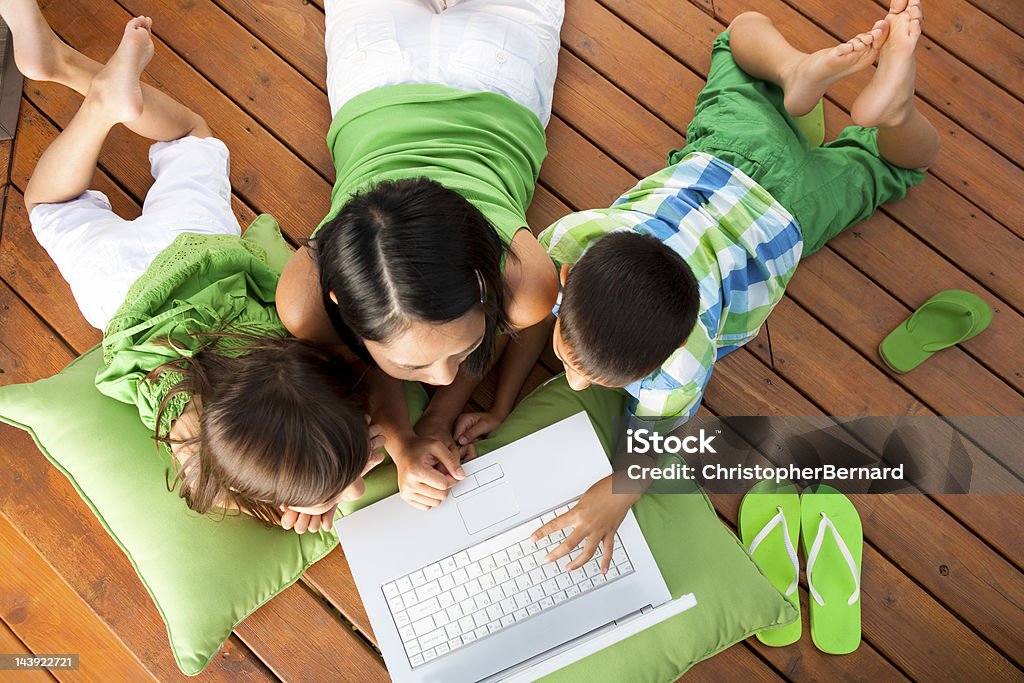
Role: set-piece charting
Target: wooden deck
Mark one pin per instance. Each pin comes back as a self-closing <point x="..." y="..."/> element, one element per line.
<point x="943" y="586"/>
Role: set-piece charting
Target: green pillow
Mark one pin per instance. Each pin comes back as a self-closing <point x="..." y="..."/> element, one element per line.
<point x="694" y="550"/>
<point x="109" y="456"/>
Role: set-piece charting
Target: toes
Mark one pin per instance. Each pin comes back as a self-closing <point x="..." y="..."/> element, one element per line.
<point x="844" y="49"/>
<point x="897" y="6"/>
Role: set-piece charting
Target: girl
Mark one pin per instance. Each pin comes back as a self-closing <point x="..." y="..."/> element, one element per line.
<point x="255" y="422"/>
<point x="438" y="138"/>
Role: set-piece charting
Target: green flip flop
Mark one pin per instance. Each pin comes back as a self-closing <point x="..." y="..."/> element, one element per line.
<point x="946" y="319"/>
<point x="769" y="525"/>
<point x="812" y="124"/>
<point x="833" y="541"/>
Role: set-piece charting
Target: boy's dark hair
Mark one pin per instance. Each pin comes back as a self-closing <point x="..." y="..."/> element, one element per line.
<point x="411" y="251"/>
<point x="277" y="425"/>
<point x="628" y="303"/>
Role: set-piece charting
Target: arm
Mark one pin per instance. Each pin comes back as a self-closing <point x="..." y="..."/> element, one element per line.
<point x="300" y="302"/>
<point x="598" y="514"/>
<point x="532" y="282"/>
<point x="517" y="362"/>
<point x="427" y="468"/>
<point x="600" y="511"/>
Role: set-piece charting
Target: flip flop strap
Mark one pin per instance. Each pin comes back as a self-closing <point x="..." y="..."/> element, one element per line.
<point x="812" y="557"/>
<point x="932" y="347"/>
<point x="779" y="518"/>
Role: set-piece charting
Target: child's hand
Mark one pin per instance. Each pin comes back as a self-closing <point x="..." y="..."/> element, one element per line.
<point x="594" y="519"/>
<point x="471" y="426"/>
<point x="302" y="522"/>
<point x="427" y="468"/>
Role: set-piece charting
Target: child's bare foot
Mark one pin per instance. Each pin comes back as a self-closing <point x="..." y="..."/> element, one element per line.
<point x="888" y="100"/>
<point x="38" y="52"/>
<point x="116" y="90"/>
<point x="807" y="79"/>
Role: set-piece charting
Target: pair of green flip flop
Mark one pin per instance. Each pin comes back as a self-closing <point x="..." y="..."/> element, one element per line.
<point x="945" y="320"/>
<point x="771" y="520"/>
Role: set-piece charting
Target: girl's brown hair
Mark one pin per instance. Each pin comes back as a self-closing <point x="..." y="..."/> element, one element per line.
<point x="277" y="425"/>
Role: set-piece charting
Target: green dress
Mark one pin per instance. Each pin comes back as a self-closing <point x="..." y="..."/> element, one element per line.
<point x="482" y="145"/>
<point x="200" y="283"/>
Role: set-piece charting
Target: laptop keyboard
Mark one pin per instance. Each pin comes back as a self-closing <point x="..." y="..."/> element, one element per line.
<point x="490" y="586"/>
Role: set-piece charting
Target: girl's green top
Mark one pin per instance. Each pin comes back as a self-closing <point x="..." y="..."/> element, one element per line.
<point x="482" y="145"/>
<point x="200" y="283"/>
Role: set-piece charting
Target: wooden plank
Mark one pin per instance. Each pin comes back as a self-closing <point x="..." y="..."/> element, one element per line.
<point x="942" y="79"/>
<point x="89" y="561"/>
<point x="247" y="71"/>
<point x="293" y="29"/>
<point x="35" y="133"/>
<point x="901" y="264"/>
<point x="51" y="618"/>
<point x="737" y="663"/>
<point x="264" y="172"/>
<point x="1007" y="12"/>
<point x="968" y="237"/>
<point x="906" y="624"/>
<point x="978" y="40"/>
<point x="28" y="269"/>
<point x="332" y="578"/>
<point x="10" y="644"/>
<point x="300" y="639"/>
<point x="833" y="291"/>
<point x="667" y="89"/>
<point x="582" y="94"/>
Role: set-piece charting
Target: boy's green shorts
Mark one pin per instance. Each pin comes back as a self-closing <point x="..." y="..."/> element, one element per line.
<point x="742" y="121"/>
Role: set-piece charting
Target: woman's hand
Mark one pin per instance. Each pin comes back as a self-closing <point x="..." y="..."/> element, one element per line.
<point x="376" y="438"/>
<point x="427" y="468"/>
<point x="595" y="519"/>
<point x="471" y="426"/>
<point x="443" y="432"/>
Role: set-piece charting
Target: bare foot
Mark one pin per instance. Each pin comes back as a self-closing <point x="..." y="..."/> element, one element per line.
<point x="807" y="80"/>
<point x="116" y="89"/>
<point x="897" y="6"/>
<point x="38" y="52"/>
<point x="888" y="100"/>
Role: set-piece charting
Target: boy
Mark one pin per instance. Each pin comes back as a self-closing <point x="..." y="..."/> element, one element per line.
<point x="687" y="265"/>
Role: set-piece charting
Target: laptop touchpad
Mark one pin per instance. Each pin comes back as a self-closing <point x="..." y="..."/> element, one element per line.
<point x="488" y="508"/>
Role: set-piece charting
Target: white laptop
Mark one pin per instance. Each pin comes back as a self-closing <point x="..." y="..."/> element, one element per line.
<point x="461" y="593"/>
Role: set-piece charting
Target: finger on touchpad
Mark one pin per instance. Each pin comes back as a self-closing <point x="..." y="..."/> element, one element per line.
<point x="488" y="508"/>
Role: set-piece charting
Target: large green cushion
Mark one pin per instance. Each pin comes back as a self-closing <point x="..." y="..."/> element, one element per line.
<point x="109" y="456"/>
<point x="694" y="550"/>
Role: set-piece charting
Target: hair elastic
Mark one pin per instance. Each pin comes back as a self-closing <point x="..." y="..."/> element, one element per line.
<point x="483" y="285"/>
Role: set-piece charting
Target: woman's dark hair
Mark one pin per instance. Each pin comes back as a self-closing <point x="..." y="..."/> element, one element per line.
<point x="628" y="303"/>
<point x="411" y="251"/>
<point x="277" y="425"/>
